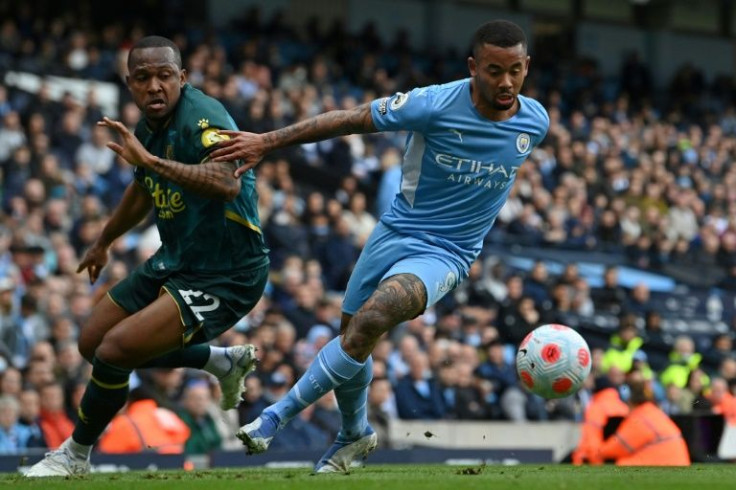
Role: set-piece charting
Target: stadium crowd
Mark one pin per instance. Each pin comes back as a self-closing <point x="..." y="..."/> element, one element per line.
<point x="625" y="169"/>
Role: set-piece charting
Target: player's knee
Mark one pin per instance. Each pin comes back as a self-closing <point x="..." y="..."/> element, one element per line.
<point x="115" y="350"/>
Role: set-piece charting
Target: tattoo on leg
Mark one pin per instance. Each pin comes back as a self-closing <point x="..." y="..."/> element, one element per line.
<point x="397" y="299"/>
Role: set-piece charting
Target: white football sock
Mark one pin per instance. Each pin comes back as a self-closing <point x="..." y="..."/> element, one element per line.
<point x="218" y="363"/>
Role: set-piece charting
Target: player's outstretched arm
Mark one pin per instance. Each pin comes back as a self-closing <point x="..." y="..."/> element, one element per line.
<point x="213" y="180"/>
<point x="134" y="206"/>
<point x="250" y="148"/>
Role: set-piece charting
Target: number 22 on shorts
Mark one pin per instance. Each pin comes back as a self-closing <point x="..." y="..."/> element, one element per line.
<point x="199" y="302"/>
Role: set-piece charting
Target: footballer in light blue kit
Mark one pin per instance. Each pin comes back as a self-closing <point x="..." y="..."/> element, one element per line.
<point x="466" y="143"/>
<point x="458" y="170"/>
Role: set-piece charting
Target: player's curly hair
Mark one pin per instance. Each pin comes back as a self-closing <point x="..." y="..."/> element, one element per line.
<point x="156" y="42"/>
<point x="501" y="33"/>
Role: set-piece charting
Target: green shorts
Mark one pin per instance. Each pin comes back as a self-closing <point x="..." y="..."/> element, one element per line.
<point x="209" y="303"/>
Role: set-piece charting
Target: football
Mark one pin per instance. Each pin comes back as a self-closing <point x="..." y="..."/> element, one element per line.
<point x="553" y="361"/>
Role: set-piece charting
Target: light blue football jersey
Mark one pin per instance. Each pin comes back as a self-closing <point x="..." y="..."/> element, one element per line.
<point x="458" y="166"/>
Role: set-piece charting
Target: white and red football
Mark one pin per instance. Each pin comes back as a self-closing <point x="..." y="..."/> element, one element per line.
<point x="553" y="361"/>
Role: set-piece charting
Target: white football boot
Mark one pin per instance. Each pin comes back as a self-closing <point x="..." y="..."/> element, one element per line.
<point x="344" y="455"/>
<point x="59" y="462"/>
<point x="243" y="361"/>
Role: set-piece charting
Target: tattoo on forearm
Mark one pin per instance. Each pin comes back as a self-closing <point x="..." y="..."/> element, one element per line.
<point x="208" y="179"/>
<point x="397" y="299"/>
<point x="323" y="126"/>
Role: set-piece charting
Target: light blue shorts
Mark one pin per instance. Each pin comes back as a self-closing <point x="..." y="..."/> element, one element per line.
<point x="388" y="253"/>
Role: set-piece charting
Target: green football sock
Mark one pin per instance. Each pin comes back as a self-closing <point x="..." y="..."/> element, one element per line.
<point x="194" y="356"/>
<point x="105" y="395"/>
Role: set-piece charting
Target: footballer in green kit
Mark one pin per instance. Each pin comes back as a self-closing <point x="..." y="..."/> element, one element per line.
<point x="209" y="272"/>
<point x="213" y="260"/>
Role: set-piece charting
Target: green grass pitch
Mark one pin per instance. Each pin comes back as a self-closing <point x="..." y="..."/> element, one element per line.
<point x="404" y="477"/>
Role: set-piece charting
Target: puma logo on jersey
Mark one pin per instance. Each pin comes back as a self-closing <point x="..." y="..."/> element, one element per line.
<point x="458" y="133"/>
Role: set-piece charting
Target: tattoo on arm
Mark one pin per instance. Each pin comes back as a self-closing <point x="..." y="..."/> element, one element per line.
<point x="397" y="299"/>
<point x="209" y="179"/>
<point x="323" y="126"/>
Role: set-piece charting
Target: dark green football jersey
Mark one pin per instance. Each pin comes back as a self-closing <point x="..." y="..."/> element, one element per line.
<point x="199" y="234"/>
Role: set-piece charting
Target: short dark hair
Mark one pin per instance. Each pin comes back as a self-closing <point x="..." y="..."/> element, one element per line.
<point x="156" y="42"/>
<point x="501" y="33"/>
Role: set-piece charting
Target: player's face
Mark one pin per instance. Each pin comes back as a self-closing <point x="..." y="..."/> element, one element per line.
<point x="498" y="74"/>
<point x="155" y="81"/>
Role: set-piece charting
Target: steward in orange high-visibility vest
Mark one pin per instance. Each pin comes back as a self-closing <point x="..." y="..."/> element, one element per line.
<point x="647" y="436"/>
<point x="606" y="403"/>
<point x="724" y="403"/>
<point x="144" y="426"/>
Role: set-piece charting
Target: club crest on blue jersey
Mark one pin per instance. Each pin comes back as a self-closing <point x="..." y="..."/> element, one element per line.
<point x="523" y="142"/>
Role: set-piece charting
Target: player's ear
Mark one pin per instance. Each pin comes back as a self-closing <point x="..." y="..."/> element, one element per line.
<point x="526" y="64"/>
<point x="183" y="76"/>
<point x="472" y="67"/>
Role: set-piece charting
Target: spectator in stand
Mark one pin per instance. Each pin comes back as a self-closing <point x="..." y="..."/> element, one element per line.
<point x="39" y="373"/>
<point x="55" y="422"/>
<point x="727" y="369"/>
<point x="418" y="392"/>
<point x="360" y="222"/>
<point x="683" y="222"/>
<point x="720" y="349"/>
<point x="11" y="342"/>
<point x="29" y="416"/>
<point x="582" y="302"/>
<point x="683" y="360"/>
<point x="560" y="303"/>
<point x="470" y="394"/>
<point x="379" y="394"/>
<point x="95" y="151"/>
<point x="611" y="297"/>
<point x="338" y="256"/>
<point x="14" y="436"/>
<point x="608" y="231"/>
<point x="536" y="284"/>
<point x="693" y="397"/>
<point x="68" y="138"/>
<point x="253" y="400"/>
<point x="203" y="434"/>
<point x="12" y="135"/>
<point x="672" y="402"/>
<point x="506" y="395"/>
<point x="623" y="345"/>
<point x="639" y="300"/>
<point x="657" y="343"/>
<point x="728" y="282"/>
<point x="11" y="382"/>
<point x="518" y="323"/>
